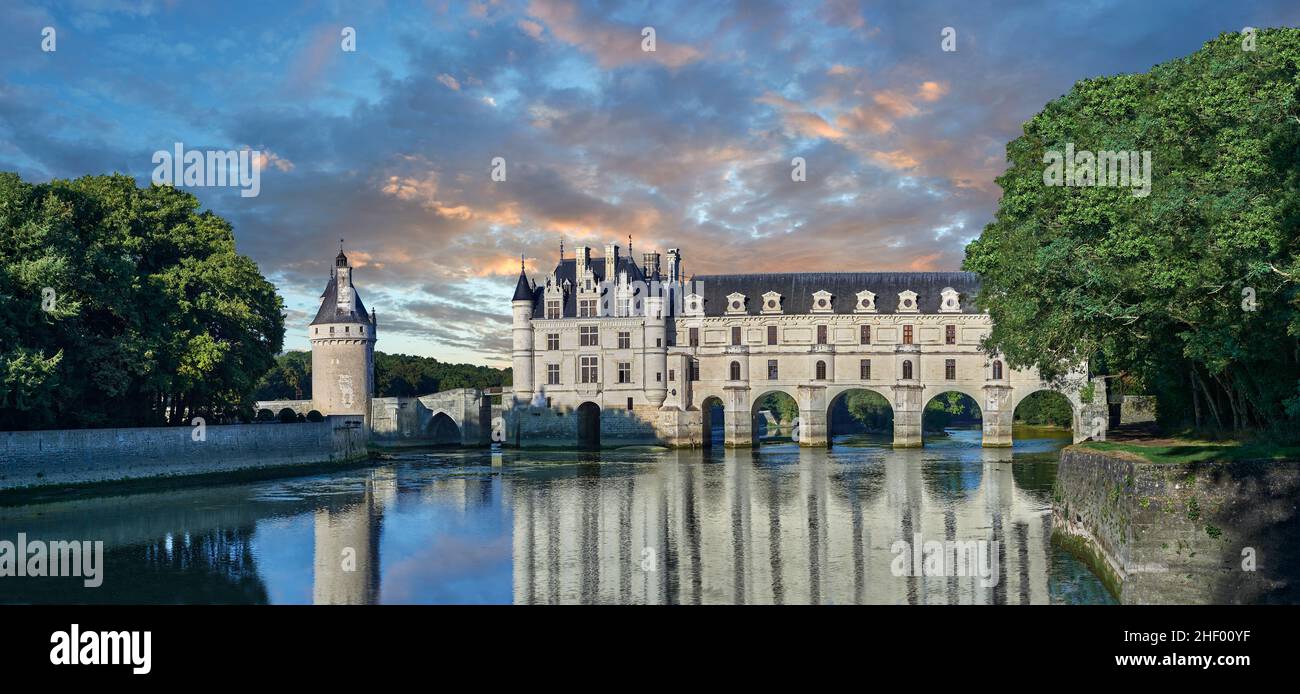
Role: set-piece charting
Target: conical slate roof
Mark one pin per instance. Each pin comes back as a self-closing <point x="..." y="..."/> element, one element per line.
<point x="329" y="310"/>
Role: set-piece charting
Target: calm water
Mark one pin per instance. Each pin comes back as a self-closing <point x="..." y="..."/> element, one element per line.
<point x="777" y="525"/>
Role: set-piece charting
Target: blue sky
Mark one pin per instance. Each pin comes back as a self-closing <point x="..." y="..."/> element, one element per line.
<point x="390" y="146"/>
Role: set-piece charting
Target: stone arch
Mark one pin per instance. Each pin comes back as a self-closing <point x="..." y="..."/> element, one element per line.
<point x="758" y="428"/>
<point x="443" y="429"/>
<point x="1076" y="407"/>
<point x="835" y="398"/>
<point x="712" y="411"/>
<point x="588" y="415"/>
<point x="971" y="394"/>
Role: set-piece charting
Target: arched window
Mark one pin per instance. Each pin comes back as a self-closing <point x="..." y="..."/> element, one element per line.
<point x="821" y="371"/>
<point x="735" y="371"/>
<point x="907" y="369"/>
<point x="997" y="370"/>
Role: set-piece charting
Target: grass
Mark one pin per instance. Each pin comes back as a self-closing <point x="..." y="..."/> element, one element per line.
<point x="1193" y="451"/>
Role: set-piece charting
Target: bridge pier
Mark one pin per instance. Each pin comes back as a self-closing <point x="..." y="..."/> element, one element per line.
<point x="907" y="414"/>
<point x="997" y="415"/>
<point x="812" y="416"/>
<point x="737" y="422"/>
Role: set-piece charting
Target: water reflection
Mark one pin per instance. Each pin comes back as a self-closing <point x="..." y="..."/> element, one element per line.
<point x="776" y="525"/>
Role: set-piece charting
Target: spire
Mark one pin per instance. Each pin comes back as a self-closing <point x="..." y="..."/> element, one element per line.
<point x="523" y="288"/>
<point x="340" y="260"/>
<point x="561" y="248"/>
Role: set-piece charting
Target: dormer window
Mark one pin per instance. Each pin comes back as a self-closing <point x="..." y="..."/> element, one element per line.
<point x="951" y="301"/>
<point x="866" y="302"/>
<point x="907" y="302"/>
<point x="735" y="303"/>
<point x="694" y="305"/>
<point x="822" y="302"/>
<point x="771" y="302"/>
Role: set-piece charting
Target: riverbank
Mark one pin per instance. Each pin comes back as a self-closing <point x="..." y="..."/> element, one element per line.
<point x="1169" y="525"/>
<point x="64" y="461"/>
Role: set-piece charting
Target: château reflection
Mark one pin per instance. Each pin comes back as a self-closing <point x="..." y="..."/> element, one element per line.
<point x="783" y="525"/>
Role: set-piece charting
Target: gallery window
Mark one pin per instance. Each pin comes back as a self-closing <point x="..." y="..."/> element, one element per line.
<point x="864" y="369"/>
<point x="821" y="334"/>
<point x="771" y="370"/>
<point x="997" y="370"/>
<point x="735" y="334"/>
<point x="821" y="371"/>
<point x="695" y="370"/>
<point x="950" y="335"/>
<point x="735" y="371"/>
<point x="589" y="370"/>
<point x="695" y="337"/>
<point x="864" y="335"/>
<point x="771" y="334"/>
<point x="907" y="334"/>
<point x="907" y="369"/>
<point x="950" y="369"/>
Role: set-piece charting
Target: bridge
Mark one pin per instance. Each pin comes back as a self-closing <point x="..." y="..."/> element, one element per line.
<point x="457" y="417"/>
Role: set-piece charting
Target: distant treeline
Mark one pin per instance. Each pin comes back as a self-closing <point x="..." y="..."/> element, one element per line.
<point x="395" y="375"/>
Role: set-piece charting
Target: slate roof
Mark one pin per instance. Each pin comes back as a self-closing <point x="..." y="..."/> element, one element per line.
<point x="568" y="270"/>
<point x="523" y="289"/>
<point x="329" y="312"/>
<point x="797" y="289"/>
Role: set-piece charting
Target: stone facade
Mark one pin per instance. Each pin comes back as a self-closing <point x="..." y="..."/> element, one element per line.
<point x="342" y="347"/>
<point x="658" y="351"/>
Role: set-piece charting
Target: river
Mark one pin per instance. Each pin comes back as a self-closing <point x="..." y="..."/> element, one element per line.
<point x="779" y="524"/>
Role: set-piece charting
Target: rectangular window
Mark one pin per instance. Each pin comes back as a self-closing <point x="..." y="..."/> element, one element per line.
<point x="552" y="374"/>
<point x="771" y="370"/>
<point x="659" y="342"/>
<point x="589" y="370"/>
<point x="588" y="336"/>
<point x="672" y="375"/>
<point x="552" y="309"/>
<point x="625" y="372"/>
<point x="771" y="334"/>
<point x="735" y="334"/>
<point x="552" y="341"/>
<point x="587" y="308"/>
<point x="695" y="337"/>
<point x="864" y="336"/>
<point x="659" y="377"/>
<point x="864" y="368"/>
<point x="624" y="340"/>
<point x="821" y="334"/>
<point x="950" y="369"/>
<point x="950" y="334"/>
<point x="907" y="334"/>
<point x="695" y="370"/>
<point x="629" y="403"/>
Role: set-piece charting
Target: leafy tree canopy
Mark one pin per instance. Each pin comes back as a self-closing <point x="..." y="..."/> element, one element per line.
<point x="125" y="306"/>
<point x="1191" y="290"/>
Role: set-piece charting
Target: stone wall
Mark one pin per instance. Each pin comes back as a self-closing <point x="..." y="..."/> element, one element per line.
<point x="1182" y="533"/>
<point x="81" y="456"/>
<point x="301" y="407"/>
<point x="557" y="427"/>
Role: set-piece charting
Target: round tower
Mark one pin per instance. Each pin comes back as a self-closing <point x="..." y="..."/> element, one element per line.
<point x="342" y="347"/>
<point x="656" y="347"/>
<point x="522" y="372"/>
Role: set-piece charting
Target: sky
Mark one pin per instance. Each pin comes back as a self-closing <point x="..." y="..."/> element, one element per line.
<point x="390" y="146"/>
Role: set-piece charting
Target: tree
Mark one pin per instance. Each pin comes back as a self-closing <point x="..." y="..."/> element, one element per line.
<point x="1190" y="291"/>
<point x="125" y="306"/>
<point x="395" y="375"/>
<point x="1045" y="407"/>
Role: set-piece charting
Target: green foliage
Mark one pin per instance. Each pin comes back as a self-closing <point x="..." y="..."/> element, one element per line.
<point x="1154" y="287"/>
<point x="871" y="409"/>
<point x="783" y="407"/>
<point x="154" y="315"/>
<point x="949" y="408"/>
<point x="395" y="375"/>
<point x="1045" y="408"/>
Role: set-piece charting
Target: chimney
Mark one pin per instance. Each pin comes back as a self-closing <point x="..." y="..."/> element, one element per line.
<point x="650" y="264"/>
<point x="674" y="265"/>
<point x="583" y="257"/>
<point x="611" y="261"/>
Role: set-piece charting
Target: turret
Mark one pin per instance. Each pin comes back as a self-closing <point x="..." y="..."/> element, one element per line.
<point x="522" y="352"/>
<point x="342" y="336"/>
